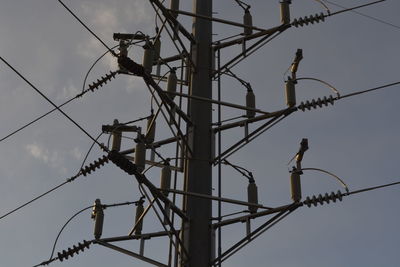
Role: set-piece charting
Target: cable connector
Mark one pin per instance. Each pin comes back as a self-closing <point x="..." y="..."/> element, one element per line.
<point x="314" y="200"/>
<point x="65" y="254"/>
<point x="307" y="20"/>
<point x="95" y="165"/>
<point x="122" y="162"/>
<point x="316" y="103"/>
<point x="131" y="66"/>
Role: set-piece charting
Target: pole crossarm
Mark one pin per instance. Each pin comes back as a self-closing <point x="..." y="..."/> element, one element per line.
<point x="227" y="200"/>
<point x="253" y="135"/>
<point x="228" y="22"/>
<point x="257" y="232"/>
<point x="240" y="40"/>
<point x="245" y="218"/>
<point x="130" y="253"/>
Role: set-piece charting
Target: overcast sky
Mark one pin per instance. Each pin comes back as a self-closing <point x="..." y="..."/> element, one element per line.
<point x="356" y="139"/>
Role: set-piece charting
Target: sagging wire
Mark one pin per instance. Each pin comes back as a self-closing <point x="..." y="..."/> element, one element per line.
<point x="324" y="5"/>
<point x="99" y="58"/>
<point x="321" y="81"/>
<point x="70" y="252"/>
<point x="329" y="173"/>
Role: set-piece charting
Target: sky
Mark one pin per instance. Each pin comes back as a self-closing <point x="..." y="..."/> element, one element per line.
<point x="356" y="138"/>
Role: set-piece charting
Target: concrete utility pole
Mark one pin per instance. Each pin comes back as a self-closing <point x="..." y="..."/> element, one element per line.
<point x="198" y="172"/>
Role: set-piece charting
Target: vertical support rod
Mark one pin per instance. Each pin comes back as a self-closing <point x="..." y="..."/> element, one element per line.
<point x="198" y="172"/>
<point x="219" y="163"/>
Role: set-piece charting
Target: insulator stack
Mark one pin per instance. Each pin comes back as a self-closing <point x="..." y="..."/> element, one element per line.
<point x="172" y="82"/>
<point x="285" y="11"/>
<point x="157" y="48"/>
<point x="104" y="79"/>
<point x="290" y="93"/>
<point x="165" y="184"/>
<point x="139" y="212"/>
<point x="148" y="57"/>
<point x="140" y="155"/>
<point x="252" y="196"/>
<point x="95" y="165"/>
<point x="247" y="21"/>
<point x="315" y="200"/>
<point x="307" y="20"/>
<point x="98" y="217"/>
<point x="250" y="103"/>
<point x="174" y="6"/>
<point x="295" y="185"/>
<point x="117" y="137"/>
<point x="65" y="254"/>
<point x="122" y="162"/>
<point x="150" y="130"/>
<point x="316" y="103"/>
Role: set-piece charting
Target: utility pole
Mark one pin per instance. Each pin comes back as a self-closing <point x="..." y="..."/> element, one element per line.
<point x="198" y="171"/>
<point x="193" y="245"/>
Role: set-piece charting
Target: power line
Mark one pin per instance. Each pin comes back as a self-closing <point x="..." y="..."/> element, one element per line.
<point x="367" y="16"/>
<point x="87" y="28"/>
<point x="82" y="171"/>
<point x="51" y="102"/>
<point x="369" y="90"/>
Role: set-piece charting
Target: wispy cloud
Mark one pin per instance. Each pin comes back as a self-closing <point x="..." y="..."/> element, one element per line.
<point x="51" y="158"/>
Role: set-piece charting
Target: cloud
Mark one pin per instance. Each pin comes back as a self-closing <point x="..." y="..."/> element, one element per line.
<point x="76" y="153"/>
<point x="51" y="158"/>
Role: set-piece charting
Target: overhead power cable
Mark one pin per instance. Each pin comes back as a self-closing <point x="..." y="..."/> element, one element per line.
<point x="82" y="171"/>
<point x="104" y="206"/>
<point x="87" y="28"/>
<point x="51" y="102"/>
<point x="367" y="16"/>
<point x="369" y="90"/>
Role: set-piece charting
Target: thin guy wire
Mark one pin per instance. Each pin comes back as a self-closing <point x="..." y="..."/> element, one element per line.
<point x="51" y="102"/>
<point x="87" y="28"/>
<point x="367" y="16"/>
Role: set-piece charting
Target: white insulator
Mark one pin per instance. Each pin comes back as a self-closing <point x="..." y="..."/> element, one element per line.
<point x="285" y="11"/>
<point x="290" y="93"/>
<point x="172" y="82"/>
<point x="98" y="216"/>
<point x="139" y="212"/>
<point x="250" y="103"/>
<point x="116" y="138"/>
<point x="148" y="58"/>
<point x="140" y="156"/>
<point x="150" y="132"/>
<point x="295" y="186"/>
<point x="247" y="21"/>
<point x="252" y="196"/>
<point x="165" y="184"/>
<point x="157" y="48"/>
<point x="174" y="5"/>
